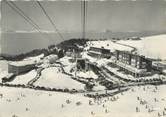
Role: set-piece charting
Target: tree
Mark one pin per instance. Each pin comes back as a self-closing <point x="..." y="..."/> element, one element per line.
<point x="89" y="87"/>
<point x="60" y="53"/>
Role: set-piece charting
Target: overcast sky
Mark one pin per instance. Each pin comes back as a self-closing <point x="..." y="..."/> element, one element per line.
<point x="116" y="16"/>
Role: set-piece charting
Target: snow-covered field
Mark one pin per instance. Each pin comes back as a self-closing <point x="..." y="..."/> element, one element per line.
<point x="3" y="74"/>
<point x="153" y="46"/>
<point x="26" y="102"/>
<point x="88" y="74"/>
<point x="53" y="77"/>
<point x="3" y="69"/>
<point x="108" y="44"/>
<point x="21" y="79"/>
<point x="3" y="65"/>
<point x="24" y="78"/>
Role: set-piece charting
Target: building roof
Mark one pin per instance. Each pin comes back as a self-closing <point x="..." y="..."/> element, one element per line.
<point x="99" y="50"/>
<point x="95" y="52"/>
<point x="22" y="63"/>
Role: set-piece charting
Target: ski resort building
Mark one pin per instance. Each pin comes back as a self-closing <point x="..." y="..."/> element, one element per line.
<point x="159" y="65"/>
<point x="99" y="52"/>
<point x="82" y="64"/>
<point x="134" y="64"/>
<point x="20" y="67"/>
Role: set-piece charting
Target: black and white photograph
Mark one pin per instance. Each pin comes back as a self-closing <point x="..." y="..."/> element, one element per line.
<point x="82" y="58"/>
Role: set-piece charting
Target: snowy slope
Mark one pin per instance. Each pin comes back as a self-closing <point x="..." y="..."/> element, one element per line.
<point x="26" y="102"/>
<point x="3" y="69"/>
<point x="153" y="46"/>
<point x="24" y="78"/>
<point x="88" y="74"/>
<point x="53" y="78"/>
<point x="108" y="44"/>
<point x="3" y="65"/>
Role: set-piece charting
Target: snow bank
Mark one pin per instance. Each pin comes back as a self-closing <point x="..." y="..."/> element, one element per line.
<point x="88" y="74"/>
<point x="53" y="78"/>
<point x="153" y="46"/>
<point x="3" y="74"/>
<point x="3" y="65"/>
<point x="25" y="78"/>
<point x="3" y="69"/>
<point x="99" y="88"/>
<point x="108" y="44"/>
<point x="134" y="43"/>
